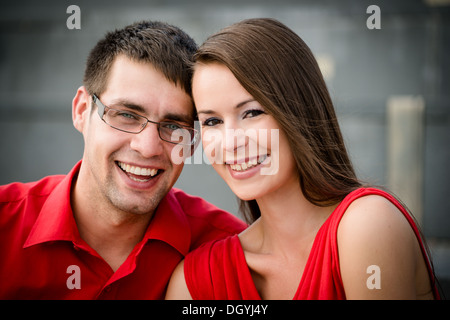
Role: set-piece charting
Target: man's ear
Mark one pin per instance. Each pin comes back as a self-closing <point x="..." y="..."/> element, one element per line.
<point x="80" y="108"/>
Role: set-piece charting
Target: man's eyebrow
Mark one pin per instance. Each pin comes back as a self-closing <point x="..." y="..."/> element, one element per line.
<point x="188" y="119"/>
<point x="127" y="104"/>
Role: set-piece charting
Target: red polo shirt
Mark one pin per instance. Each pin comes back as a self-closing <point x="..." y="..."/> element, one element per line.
<point x="42" y="255"/>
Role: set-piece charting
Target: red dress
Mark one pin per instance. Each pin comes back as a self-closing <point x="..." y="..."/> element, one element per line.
<point x="218" y="270"/>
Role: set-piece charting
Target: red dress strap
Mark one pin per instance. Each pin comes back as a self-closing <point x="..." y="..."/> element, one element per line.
<point x="322" y="277"/>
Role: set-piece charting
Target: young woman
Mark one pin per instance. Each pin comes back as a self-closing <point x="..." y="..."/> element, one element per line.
<point x="270" y="131"/>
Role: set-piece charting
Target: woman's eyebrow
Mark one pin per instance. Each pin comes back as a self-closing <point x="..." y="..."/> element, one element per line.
<point x="239" y="105"/>
<point x="205" y="112"/>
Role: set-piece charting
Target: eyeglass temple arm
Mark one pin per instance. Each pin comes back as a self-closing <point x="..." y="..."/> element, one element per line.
<point x="100" y="106"/>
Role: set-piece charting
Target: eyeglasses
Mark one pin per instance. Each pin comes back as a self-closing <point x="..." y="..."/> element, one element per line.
<point x="127" y="121"/>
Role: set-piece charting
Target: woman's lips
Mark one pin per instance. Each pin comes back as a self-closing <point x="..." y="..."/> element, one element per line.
<point x="248" y="164"/>
<point x="248" y="168"/>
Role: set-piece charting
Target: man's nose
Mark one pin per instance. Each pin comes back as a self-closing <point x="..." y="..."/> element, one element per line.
<point x="147" y="142"/>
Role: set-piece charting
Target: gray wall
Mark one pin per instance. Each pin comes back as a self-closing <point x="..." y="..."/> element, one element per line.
<point x="42" y="63"/>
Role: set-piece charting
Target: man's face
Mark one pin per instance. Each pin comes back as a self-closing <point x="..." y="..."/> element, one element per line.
<point x="133" y="172"/>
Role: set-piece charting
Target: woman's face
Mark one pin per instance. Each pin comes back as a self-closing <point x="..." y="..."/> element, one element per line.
<point x="244" y="144"/>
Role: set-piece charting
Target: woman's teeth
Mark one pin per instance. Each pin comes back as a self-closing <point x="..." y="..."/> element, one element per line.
<point x="145" y="173"/>
<point x="247" y="165"/>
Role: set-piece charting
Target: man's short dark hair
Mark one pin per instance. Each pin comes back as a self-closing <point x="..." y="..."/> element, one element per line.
<point x="168" y="48"/>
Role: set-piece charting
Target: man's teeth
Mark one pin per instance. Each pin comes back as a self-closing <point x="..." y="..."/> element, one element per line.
<point x="247" y="165"/>
<point x="138" y="171"/>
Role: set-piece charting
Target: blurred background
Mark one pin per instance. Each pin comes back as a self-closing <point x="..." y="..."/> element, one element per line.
<point x="388" y="73"/>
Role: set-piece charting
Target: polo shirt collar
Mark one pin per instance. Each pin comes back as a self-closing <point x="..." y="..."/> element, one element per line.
<point x="56" y="221"/>
<point x="170" y="224"/>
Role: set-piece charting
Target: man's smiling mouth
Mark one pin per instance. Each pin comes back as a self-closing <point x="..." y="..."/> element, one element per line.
<point x="138" y="174"/>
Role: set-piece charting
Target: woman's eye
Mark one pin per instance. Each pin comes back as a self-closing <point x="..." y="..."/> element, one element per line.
<point x="252" y="113"/>
<point x="210" y="122"/>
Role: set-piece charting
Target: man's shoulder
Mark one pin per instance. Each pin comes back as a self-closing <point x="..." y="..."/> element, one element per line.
<point x="202" y="213"/>
<point x="20" y="206"/>
<point x="18" y="191"/>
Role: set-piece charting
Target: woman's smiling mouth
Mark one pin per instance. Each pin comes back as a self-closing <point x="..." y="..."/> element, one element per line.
<point x="243" y="166"/>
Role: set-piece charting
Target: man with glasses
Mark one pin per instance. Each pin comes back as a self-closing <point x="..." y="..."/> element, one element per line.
<point x="114" y="228"/>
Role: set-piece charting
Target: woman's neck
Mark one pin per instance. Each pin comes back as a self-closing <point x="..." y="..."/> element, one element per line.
<point x="288" y="222"/>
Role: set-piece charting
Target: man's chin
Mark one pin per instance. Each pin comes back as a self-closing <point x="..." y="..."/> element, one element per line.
<point x="139" y="203"/>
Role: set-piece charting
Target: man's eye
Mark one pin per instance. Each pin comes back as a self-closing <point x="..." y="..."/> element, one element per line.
<point x="211" y="122"/>
<point x="122" y="115"/>
<point x="128" y="115"/>
<point x="171" y="126"/>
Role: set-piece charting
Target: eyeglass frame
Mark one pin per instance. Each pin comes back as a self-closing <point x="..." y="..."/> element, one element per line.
<point x="102" y="110"/>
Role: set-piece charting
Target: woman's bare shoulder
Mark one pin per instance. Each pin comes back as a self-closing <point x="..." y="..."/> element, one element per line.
<point x="177" y="288"/>
<point x="375" y="239"/>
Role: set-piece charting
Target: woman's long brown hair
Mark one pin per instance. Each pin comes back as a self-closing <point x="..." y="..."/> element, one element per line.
<point x="279" y="70"/>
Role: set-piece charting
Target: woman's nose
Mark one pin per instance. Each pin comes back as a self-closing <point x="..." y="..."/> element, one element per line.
<point x="234" y="139"/>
